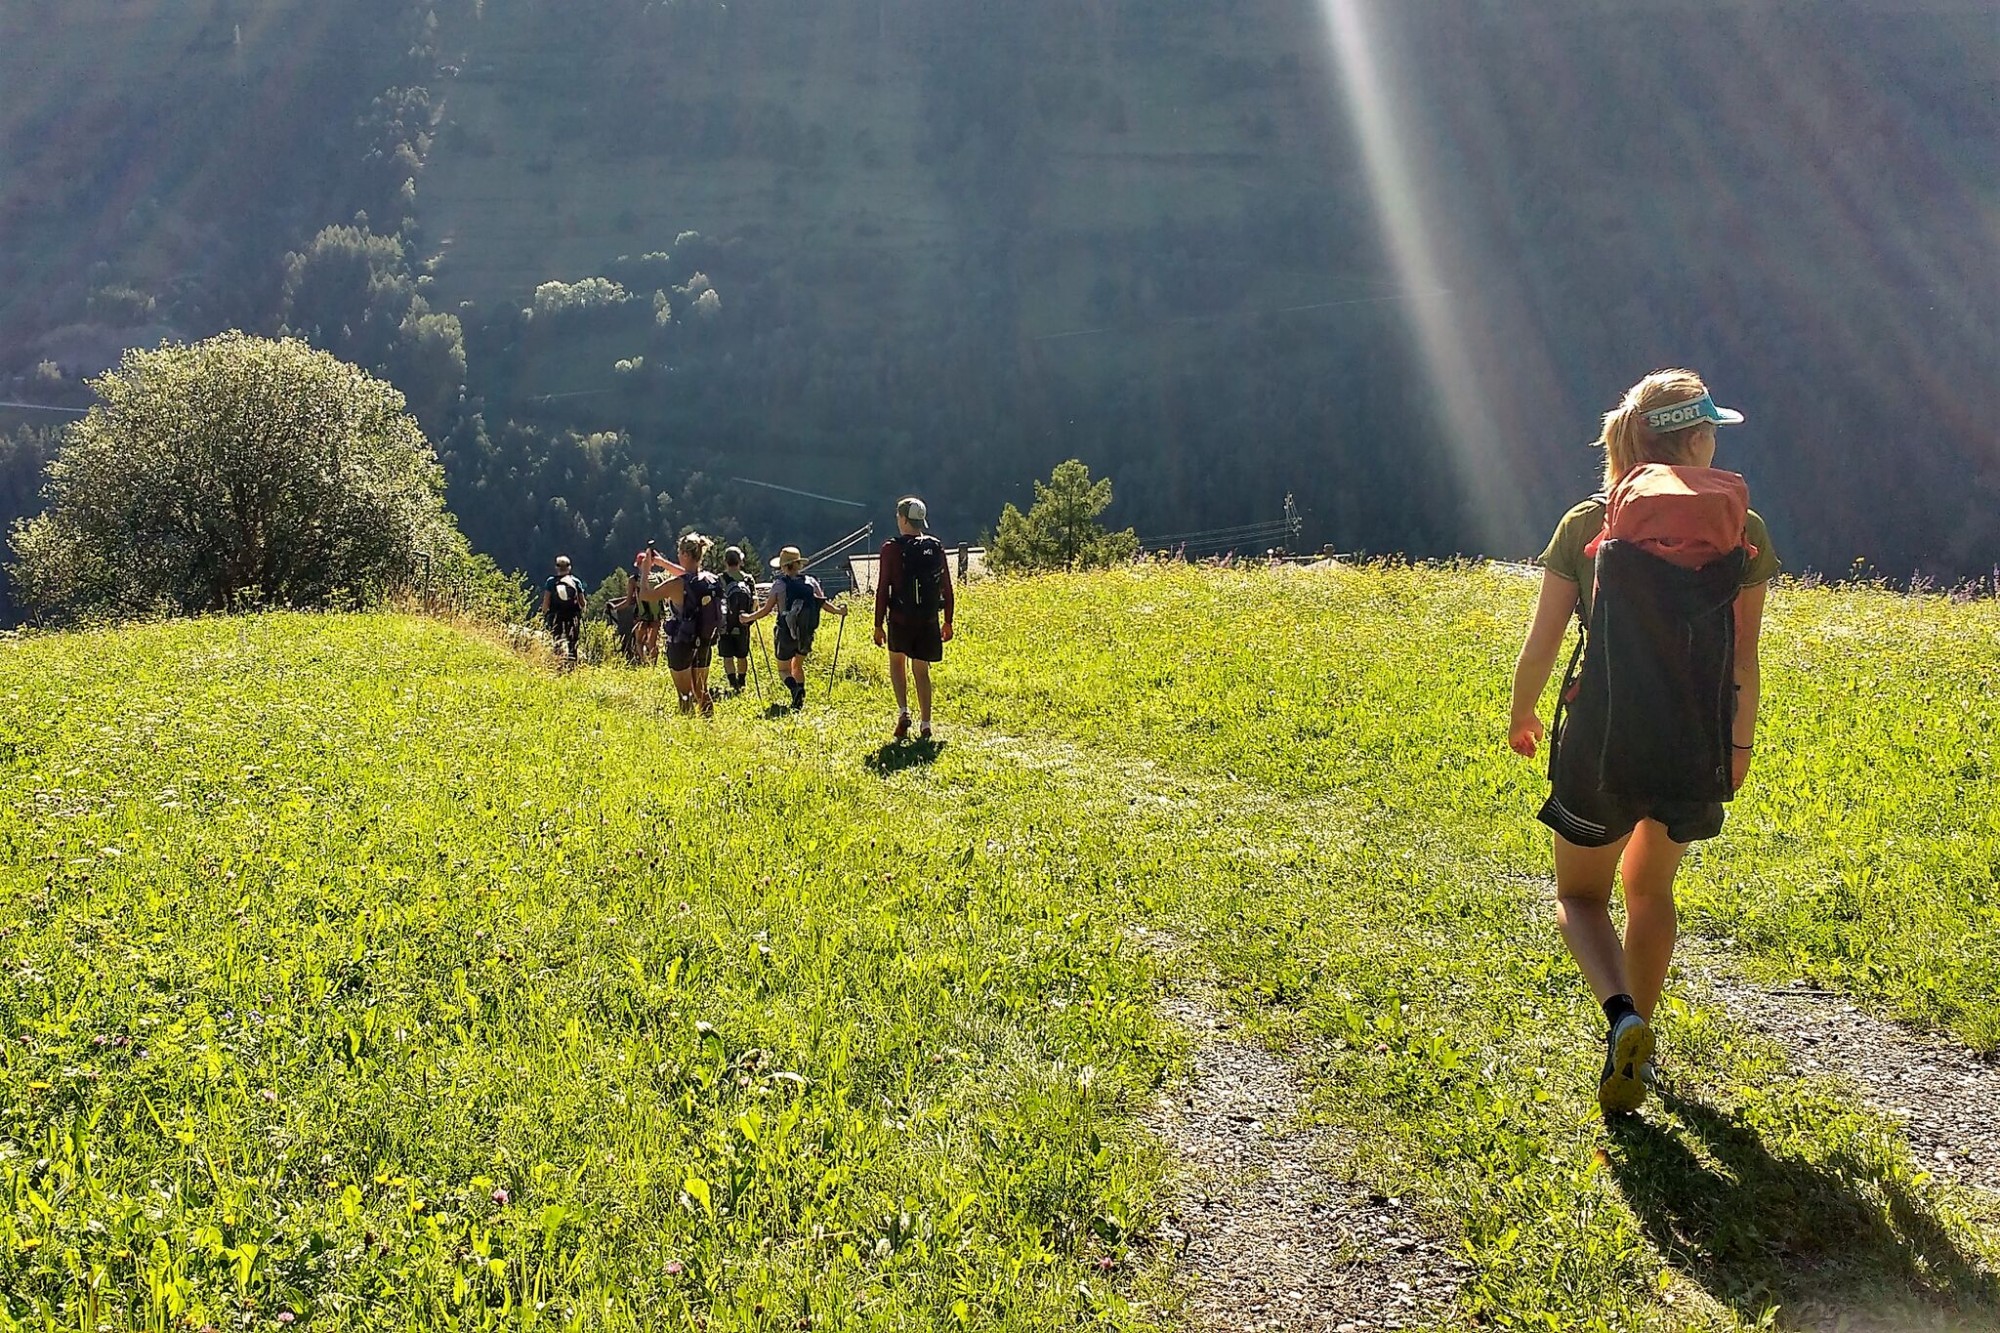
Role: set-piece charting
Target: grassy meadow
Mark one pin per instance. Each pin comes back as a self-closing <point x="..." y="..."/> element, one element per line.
<point x="358" y="973"/>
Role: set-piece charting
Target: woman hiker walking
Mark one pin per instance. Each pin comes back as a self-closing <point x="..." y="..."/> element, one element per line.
<point x="1667" y="533"/>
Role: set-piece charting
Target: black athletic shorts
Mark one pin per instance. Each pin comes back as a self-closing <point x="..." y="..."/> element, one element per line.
<point x="786" y="648"/>
<point x="921" y="639"/>
<point x="686" y="655"/>
<point x="1589" y="817"/>
<point x="733" y="643"/>
<point x="648" y="613"/>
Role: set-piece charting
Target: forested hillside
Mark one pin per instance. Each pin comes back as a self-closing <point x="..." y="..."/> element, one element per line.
<point x="1393" y="258"/>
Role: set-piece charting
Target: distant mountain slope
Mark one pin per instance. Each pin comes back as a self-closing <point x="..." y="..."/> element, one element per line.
<point x="1391" y="257"/>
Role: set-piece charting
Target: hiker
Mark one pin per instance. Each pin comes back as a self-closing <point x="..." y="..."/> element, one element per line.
<point x="739" y="599"/>
<point x="562" y="608"/>
<point x="694" y="617"/>
<point x="623" y="613"/>
<point x="796" y="598"/>
<point x="913" y="610"/>
<point x="653" y="573"/>
<point x="1647" y="744"/>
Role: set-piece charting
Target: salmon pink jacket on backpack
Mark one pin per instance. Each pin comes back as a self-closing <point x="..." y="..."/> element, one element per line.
<point x="1689" y="516"/>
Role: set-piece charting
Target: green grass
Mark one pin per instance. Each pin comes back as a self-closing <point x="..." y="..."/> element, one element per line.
<point x="353" y="968"/>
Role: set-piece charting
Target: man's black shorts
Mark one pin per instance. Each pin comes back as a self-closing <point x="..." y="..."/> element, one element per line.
<point x="733" y="643"/>
<point x="921" y="639"/>
<point x="1589" y="817"/>
<point x="686" y="655"/>
<point x="787" y="648"/>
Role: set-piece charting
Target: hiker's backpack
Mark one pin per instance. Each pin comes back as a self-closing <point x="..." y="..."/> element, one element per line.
<point x="738" y="600"/>
<point x="802" y="599"/>
<point x="566" y="596"/>
<point x="624" y="617"/>
<point x="698" y="614"/>
<point x="920" y="589"/>
<point x="1653" y="703"/>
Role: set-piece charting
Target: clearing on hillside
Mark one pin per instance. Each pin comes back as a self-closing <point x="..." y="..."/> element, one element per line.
<point x="356" y="973"/>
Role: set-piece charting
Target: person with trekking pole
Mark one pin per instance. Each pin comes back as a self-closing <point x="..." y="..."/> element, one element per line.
<point x="913" y="610"/>
<point x="651" y="587"/>
<point x="796" y="598"/>
<point x="1666" y="572"/>
<point x="562" y="609"/>
<point x="739" y="599"/>
<point x="694" y="619"/>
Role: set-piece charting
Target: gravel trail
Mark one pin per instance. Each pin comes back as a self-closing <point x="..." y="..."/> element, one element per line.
<point x="1267" y="1238"/>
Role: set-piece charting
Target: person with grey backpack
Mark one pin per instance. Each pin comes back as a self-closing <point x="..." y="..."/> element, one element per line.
<point x="796" y="599"/>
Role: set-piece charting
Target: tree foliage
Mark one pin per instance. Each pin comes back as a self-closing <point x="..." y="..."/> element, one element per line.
<point x="1061" y="531"/>
<point x="230" y="472"/>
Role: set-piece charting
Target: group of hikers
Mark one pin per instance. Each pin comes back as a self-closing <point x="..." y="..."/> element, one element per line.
<point x="1664" y="571"/>
<point x="700" y="615"/>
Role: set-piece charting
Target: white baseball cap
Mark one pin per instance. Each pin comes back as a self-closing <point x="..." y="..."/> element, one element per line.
<point x="913" y="509"/>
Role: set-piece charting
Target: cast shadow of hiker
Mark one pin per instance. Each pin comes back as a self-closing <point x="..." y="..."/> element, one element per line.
<point x="899" y="755"/>
<point x="1757" y="1230"/>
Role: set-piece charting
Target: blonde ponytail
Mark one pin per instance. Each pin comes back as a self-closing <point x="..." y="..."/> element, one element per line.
<point x="1628" y="441"/>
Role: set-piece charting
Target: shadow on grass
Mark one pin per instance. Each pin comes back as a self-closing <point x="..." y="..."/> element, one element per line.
<point x="1758" y="1230"/>
<point x="899" y="755"/>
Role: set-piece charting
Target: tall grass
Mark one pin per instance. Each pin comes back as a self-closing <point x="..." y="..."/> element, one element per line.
<point x="355" y="971"/>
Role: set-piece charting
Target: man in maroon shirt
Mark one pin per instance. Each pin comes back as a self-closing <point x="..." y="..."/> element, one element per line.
<point x="913" y="608"/>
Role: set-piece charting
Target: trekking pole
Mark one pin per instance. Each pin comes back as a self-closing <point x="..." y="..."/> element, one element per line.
<point x="769" y="668"/>
<point x="756" y="681"/>
<point x="834" y="670"/>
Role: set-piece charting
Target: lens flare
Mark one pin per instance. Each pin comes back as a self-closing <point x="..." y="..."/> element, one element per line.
<point x="1380" y="112"/>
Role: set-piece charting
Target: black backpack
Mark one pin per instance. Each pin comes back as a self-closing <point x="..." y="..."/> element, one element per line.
<point x="565" y="597"/>
<point x="738" y="600"/>
<point x="921" y="587"/>
<point x="802" y="599"/>
<point x="1654" y="703"/>
<point x="698" y="614"/>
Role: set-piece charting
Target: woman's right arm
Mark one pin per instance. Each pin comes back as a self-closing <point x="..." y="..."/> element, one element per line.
<point x="1538" y="660"/>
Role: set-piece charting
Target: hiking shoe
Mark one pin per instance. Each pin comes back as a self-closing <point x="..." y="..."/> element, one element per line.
<point x="708" y="705"/>
<point x="902" y="726"/>
<point x="1628" y="1049"/>
<point x="924" y="732"/>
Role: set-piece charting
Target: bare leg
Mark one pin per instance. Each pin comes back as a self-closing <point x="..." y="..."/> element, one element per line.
<point x="1651" y="924"/>
<point x="899" y="681"/>
<point x="922" y="670"/>
<point x="1584" y="877"/>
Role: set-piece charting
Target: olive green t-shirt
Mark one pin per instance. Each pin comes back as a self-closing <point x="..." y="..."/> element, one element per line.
<point x="1580" y="525"/>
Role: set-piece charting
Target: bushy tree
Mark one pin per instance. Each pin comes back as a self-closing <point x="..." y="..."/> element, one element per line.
<point x="1061" y="531"/>
<point x="230" y="472"/>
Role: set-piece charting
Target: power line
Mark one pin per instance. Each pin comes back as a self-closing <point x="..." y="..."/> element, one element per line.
<point x="792" y="490"/>
<point x="44" y="407"/>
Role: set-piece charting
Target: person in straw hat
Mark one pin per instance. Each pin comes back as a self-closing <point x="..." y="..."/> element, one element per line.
<point x="795" y="598"/>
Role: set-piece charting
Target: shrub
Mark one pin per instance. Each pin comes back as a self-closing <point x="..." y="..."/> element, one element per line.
<point x="231" y="472"/>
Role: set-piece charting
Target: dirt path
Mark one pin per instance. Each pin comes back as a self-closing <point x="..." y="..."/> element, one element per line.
<point x="1268" y="1239"/>
<point x="1945" y="1096"/>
